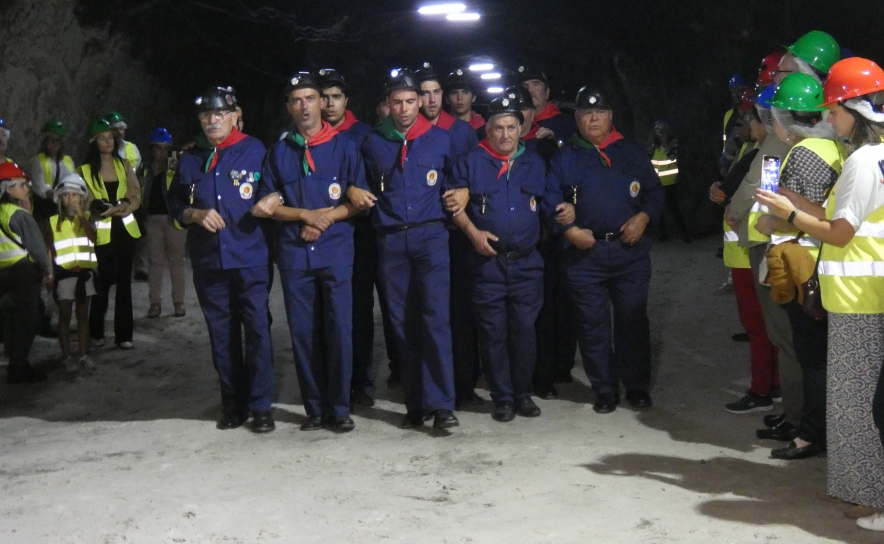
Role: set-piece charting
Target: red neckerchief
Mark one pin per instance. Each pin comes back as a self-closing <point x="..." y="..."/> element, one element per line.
<point x="551" y="110"/>
<point x="532" y="133"/>
<point x="325" y="134"/>
<point x="612" y="137"/>
<point x="486" y="145"/>
<point x="476" y="120"/>
<point x="418" y="129"/>
<point x="349" y="121"/>
<point x="233" y="138"/>
<point x="445" y="120"/>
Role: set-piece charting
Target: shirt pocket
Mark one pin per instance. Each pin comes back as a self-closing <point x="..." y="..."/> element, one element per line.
<point x="326" y="191"/>
<point x="429" y="174"/>
<point x="533" y="197"/>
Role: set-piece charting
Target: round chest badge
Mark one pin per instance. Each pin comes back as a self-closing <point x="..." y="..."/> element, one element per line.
<point x="334" y="191"/>
<point x="634" y="188"/>
<point x="533" y="204"/>
<point x="246" y="191"/>
<point x="432" y="176"/>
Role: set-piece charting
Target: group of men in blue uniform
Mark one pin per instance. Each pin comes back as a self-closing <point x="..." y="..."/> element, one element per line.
<point x="461" y="233"/>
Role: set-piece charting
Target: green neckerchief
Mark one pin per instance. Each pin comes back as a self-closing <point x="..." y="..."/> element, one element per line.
<point x="578" y="140"/>
<point x="388" y="130"/>
<point x="296" y="137"/>
<point x="515" y="156"/>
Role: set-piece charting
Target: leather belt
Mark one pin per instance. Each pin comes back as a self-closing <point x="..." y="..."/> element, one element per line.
<point x="512" y="256"/>
<point x="406" y="226"/>
<point x="611" y="236"/>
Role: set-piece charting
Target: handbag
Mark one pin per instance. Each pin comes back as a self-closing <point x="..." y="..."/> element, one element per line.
<point x="813" y="298"/>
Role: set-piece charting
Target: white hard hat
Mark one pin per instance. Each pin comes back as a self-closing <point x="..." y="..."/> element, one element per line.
<point x="71" y="183"/>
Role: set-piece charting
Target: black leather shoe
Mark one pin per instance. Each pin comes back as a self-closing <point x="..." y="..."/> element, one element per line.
<point x="412" y="420"/>
<point x="503" y="412"/>
<point x="232" y="419"/>
<point x="262" y="422"/>
<point x="784" y="432"/>
<point x="740" y="337"/>
<point x="774" y="420"/>
<point x="525" y="407"/>
<point x="605" y="403"/>
<point x="340" y="424"/>
<point x="639" y="399"/>
<point x="792" y="452"/>
<point x="313" y="423"/>
<point x="444" y="419"/>
<point x="548" y="393"/>
<point x="468" y="399"/>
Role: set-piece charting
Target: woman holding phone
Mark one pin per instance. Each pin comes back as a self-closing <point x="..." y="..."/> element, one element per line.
<point x="115" y="194"/>
<point x="165" y="237"/>
<point x="851" y="271"/>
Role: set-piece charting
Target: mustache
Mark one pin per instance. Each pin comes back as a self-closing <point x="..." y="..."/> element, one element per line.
<point x="213" y="126"/>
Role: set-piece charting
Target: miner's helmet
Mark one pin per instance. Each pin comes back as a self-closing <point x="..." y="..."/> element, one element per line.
<point x="527" y="73"/>
<point x="509" y="103"/>
<point x="588" y="97"/>
<point x="217" y="98"/>
<point x="460" y="79"/>
<point x="329" y="77"/>
<point x="426" y="73"/>
<point x="400" y="79"/>
<point x="303" y="80"/>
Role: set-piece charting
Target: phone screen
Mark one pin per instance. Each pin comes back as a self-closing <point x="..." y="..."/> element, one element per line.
<point x="770" y="173"/>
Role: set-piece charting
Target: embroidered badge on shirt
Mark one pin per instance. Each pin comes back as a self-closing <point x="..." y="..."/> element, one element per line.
<point x="634" y="188"/>
<point x="236" y="176"/>
<point x="246" y="191"/>
<point x="533" y="204"/>
<point x="334" y="191"/>
<point x="432" y="176"/>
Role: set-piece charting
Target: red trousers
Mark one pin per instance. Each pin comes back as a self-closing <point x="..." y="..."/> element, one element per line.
<point x="765" y="366"/>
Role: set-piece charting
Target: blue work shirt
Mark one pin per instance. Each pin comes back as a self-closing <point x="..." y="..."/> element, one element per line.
<point x="509" y="206"/>
<point x="606" y="197"/>
<point x="357" y="132"/>
<point x="338" y="166"/>
<point x="411" y="193"/>
<point x="463" y="139"/>
<point x="563" y="125"/>
<point x="229" y="188"/>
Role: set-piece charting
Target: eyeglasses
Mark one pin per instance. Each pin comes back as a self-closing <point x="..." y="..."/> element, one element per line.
<point x="212" y="115"/>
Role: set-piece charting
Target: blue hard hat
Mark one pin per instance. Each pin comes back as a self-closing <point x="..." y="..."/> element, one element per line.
<point x="764" y="97"/>
<point x="161" y="136"/>
<point x="737" y="80"/>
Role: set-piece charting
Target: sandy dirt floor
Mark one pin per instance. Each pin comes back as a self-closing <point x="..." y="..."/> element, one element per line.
<point x="131" y="454"/>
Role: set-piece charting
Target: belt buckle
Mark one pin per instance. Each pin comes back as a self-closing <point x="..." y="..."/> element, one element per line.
<point x="611" y="236"/>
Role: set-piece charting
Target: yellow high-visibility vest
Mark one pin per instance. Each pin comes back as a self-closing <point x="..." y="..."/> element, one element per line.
<point x="734" y="255"/>
<point x="99" y="191"/>
<point x="131" y="154"/>
<point x="46" y="163"/>
<point x="72" y="247"/>
<point x="829" y="152"/>
<point x="11" y="250"/>
<point x="727" y="117"/>
<point x="852" y="277"/>
<point x="666" y="168"/>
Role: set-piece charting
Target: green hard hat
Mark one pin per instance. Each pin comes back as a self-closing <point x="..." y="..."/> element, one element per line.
<point x="97" y="126"/>
<point x="54" y="126"/>
<point x="114" y="117"/>
<point x="818" y="49"/>
<point x="798" y="92"/>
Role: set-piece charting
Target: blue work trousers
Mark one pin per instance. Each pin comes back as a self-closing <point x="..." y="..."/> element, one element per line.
<point x="507" y="297"/>
<point x="611" y="275"/>
<point x="231" y="300"/>
<point x="318" y="305"/>
<point x="413" y="266"/>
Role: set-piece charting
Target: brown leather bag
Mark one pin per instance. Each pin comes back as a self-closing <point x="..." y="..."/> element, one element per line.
<point x="813" y="298"/>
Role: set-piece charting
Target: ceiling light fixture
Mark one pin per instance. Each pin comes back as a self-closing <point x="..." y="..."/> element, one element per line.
<point x="441" y="9"/>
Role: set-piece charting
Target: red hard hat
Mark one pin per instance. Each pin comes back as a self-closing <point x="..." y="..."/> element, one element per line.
<point x="10" y="170"/>
<point x="769" y="66"/>
<point x="850" y="78"/>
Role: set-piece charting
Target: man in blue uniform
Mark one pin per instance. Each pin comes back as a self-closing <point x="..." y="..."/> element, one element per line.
<point x="508" y="196"/>
<point x="548" y="115"/>
<point x="616" y="193"/>
<point x="307" y="175"/>
<point x="405" y="160"/>
<point x="335" y="98"/>
<point x="464" y="336"/>
<point x="212" y="193"/>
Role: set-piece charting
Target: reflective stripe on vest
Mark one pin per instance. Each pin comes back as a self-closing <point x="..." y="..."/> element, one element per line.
<point x="10" y="251"/>
<point x="99" y="191"/>
<point x="46" y="163"/>
<point x="852" y="277"/>
<point x="733" y="254"/>
<point x="72" y="247"/>
<point x="727" y="117"/>
<point x="666" y="168"/>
